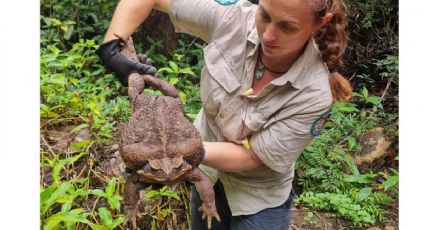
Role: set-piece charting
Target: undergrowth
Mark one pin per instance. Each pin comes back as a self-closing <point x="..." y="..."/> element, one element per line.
<point x="77" y="92"/>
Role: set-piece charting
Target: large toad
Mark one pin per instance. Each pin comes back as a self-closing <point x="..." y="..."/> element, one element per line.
<point x="159" y="144"/>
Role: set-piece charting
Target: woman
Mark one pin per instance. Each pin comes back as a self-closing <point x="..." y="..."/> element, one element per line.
<point x="268" y="79"/>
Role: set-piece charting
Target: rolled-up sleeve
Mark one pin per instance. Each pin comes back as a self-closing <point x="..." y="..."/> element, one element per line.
<point x="279" y="145"/>
<point x="200" y="18"/>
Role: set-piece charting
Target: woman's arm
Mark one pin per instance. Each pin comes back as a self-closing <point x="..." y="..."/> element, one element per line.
<point x="229" y="157"/>
<point x="129" y="14"/>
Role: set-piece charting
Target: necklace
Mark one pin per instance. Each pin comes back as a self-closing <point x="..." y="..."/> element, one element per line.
<point x="262" y="68"/>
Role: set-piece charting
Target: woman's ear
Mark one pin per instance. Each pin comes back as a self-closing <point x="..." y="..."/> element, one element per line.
<point x="326" y="18"/>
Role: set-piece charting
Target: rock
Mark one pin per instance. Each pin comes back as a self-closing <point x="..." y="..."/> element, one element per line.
<point x="389" y="227"/>
<point x="112" y="165"/>
<point x="62" y="137"/>
<point x="374" y="149"/>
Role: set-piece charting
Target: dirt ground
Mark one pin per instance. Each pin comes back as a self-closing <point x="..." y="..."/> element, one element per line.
<point x="304" y="219"/>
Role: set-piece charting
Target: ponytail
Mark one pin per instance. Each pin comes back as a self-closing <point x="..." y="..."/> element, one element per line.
<point x="332" y="41"/>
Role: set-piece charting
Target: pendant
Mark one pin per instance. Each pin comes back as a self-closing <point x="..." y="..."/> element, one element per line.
<point x="260" y="71"/>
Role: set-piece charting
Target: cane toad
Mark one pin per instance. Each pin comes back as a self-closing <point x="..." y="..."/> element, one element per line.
<point x="159" y="144"/>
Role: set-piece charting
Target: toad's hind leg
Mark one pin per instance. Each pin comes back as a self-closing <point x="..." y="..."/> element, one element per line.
<point x="132" y="200"/>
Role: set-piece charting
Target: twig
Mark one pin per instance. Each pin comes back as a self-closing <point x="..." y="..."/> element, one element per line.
<point x="294" y="227"/>
<point x="323" y="219"/>
<point x="190" y="45"/>
<point x="48" y="146"/>
<point x="62" y="119"/>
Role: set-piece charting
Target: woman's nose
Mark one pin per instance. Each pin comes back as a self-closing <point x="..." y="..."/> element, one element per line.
<point x="269" y="34"/>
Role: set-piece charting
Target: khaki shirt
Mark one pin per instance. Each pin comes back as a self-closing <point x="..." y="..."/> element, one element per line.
<point x="277" y="121"/>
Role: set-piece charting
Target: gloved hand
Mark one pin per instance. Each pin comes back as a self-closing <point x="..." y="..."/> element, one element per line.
<point x="111" y="56"/>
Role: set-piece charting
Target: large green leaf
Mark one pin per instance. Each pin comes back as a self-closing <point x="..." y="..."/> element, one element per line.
<point x="363" y="194"/>
<point x="105" y="215"/>
<point x="58" y="193"/>
<point x="110" y="187"/>
<point x="75" y="215"/>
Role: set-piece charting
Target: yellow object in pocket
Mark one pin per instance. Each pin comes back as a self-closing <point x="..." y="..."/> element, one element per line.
<point x="245" y="144"/>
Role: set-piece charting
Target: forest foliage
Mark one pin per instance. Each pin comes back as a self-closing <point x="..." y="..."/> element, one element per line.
<point x="79" y="96"/>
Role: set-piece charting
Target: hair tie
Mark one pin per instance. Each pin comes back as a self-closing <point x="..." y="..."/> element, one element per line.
<point x="333" y="69"/>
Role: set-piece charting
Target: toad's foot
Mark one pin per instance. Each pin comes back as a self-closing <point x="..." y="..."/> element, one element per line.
<point x="209" y="212"/>
<point x="130" y="217"/>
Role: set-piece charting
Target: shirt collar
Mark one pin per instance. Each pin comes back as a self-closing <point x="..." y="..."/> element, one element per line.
<point x="298" y="70"/>
<point x="296" y="73"/>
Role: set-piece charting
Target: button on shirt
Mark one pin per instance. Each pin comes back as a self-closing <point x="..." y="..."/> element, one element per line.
<point x="276" y="122"/>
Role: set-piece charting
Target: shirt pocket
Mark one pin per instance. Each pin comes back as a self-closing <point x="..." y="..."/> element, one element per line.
<point x="218" y="79"/>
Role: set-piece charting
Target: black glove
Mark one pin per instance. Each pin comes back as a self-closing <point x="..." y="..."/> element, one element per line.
<point x="114" y="60"/>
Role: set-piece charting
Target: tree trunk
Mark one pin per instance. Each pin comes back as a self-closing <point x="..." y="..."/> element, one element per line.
<point x="157" y="26"/>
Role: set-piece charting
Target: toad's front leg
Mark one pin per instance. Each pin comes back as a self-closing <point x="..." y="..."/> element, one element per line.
<point x="206" y="192"/>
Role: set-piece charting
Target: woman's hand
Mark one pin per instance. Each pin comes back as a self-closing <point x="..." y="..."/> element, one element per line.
<point x="117" y="62"/>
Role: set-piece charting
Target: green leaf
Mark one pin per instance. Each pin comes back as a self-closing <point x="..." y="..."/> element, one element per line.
<point x="68" y="32"/>
<point x="80" y="127"/>
<point x="105" y="215"/>
<point x="362" y="179"/>
<point x="81" y="192"/>
<point x="355" y="94"/>
<point x="66" y="207"/>
<point x="45" y="194"/>
<point x="117" y="222"/>
<point x="90" y="42"/>
<point x="76" y="216"/>
<point x="344" y="107"/>
<point x="97" y="192"/>
<point x="171" y="194"/>
<point x="166" y="69"/>
<point x="374" y="100"/>
<point x="183" y="97"/>
<point x="174" y="80"/>
<point x="390" y="182"/>
<point x="174" y="67"/>
<point x="80" y="145"/>
<point x="365" y="92"/>
<point x="55" y="22"/>
<point x="363" y="194"/>
<point x="187" y="70"/>
<point x="165" y="212"/>
<point x="94" y="109"/>
<point x="351" y="143"/>
<point x="57" y="79"/>
<point x="114" y="202"/>
<point x="153" y="224"/>
<point x="110" y="187"/>
<point x="151" y="194"/>
<point x="192" y="115"/>
<point x="58" y="193"/>
<point x="100" y="227"/>
<point x="352" y="165"/>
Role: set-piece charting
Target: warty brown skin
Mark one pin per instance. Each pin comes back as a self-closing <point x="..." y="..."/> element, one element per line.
<point x="159" y="144"/>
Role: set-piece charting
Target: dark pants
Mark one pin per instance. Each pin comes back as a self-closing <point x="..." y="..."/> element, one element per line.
<point x="270" y="219"/>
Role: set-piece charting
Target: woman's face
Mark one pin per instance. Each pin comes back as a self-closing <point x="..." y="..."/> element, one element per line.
<point x="284" y="26"/>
